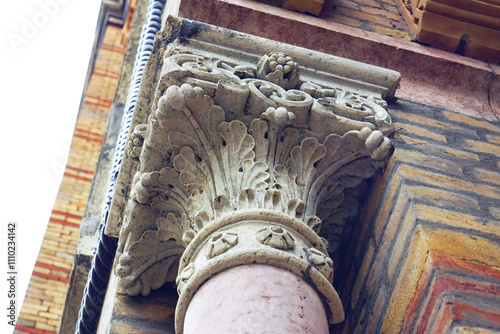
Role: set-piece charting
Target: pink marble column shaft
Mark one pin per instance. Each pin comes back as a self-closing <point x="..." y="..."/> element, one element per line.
<point x="256" y="299"/>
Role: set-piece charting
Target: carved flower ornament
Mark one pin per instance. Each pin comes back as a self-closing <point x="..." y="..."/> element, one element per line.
<point x="220" y="242"/>
<point x="277" y="237"/>
<point x="322" y="262"/>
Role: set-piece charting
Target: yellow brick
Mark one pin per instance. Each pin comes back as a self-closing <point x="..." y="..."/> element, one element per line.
<point x="55" y="323"/>
<point x="57" y="216"/>
<point x="42" y="270"/>
<point x="378" y="308"/>
<point x="33" y="301"/>
<point x="28" y="311"/>
<point x="406" y="284"/>
<point x="426" y="160"/>
<point x="483" y="147"/>
<point x="31" y="317"/>
<point x="50" y="242"/>
<point x="37" y="293"/>
<point x="363" y="271"/>
<point x="56" y="294"/>
<point x="470" y="121"/>
<point x="428" y="122"/>
<point x="392" y="185"/>
<point x="421" y="132"/>
<point x="435" y="179"/>
<point x="472" y="330"/>
<point x="54" y="283"/>
<point x="495" y="211"/>
<point x="454" y="219"/>
<point x="49" y="247"/>
<point x="59" y="273"/>
<point x="399" y="246"/>
<point x="73" y="220"/>
<point x="391" y="32"/>
<point x="60" y="300"/>
<point x="395" y="215"/>
<point x="493" y="139"/>
<point x="71" y="228"/>
<point x="50" y="315"/>
<point x="487" y="176"/>
<point x="37" y="307"/>
<point x="433" y="148"/>
<point x="57" y="311"/>
<point x="52" y="305"/>
<point x="45" y="327"/>
<point x="441" y="197"/>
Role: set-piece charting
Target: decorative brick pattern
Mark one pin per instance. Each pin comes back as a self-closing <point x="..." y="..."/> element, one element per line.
<point x="43" y="306"/>
<point x="429" y="238"/>
<point x="380" y="16"/>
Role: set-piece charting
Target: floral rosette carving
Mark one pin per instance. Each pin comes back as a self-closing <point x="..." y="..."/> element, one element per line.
<point x="184" y="276"/>
<point x="322" y="262"/>
<point x="220" y="242"/>
<point x="277" y="237"/>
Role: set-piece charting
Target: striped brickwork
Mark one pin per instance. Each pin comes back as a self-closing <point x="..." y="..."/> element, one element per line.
<point x="426" y="257"/>
<point x="379" y="16"/>
<point x="43" y="305"/>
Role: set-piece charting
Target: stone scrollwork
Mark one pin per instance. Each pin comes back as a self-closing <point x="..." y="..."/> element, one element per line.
<point x="245" y="163"/>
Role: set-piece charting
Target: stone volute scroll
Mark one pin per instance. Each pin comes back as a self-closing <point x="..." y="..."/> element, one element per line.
<point x="243" y="152"/>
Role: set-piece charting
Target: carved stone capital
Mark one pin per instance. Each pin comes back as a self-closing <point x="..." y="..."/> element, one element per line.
<point x="243" y="160"/>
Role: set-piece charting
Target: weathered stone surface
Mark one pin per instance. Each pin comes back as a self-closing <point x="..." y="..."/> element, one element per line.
<point x="245" y="151"/>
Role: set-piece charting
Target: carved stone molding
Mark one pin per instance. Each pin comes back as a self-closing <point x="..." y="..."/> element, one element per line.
<point x="242" y="157"/>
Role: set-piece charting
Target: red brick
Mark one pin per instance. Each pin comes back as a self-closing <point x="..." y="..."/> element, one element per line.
<point x="453" y="309"/>
<point x="440" y="261"/>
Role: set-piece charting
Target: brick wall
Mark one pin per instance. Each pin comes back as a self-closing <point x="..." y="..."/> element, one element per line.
<point x="43" y="305"/>
<point x="380" y="16"/>
<point x="425" y="257"/>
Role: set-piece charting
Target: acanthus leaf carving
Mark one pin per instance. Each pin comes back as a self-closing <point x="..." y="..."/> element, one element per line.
<point x="235" y="139"/>
<point x="152" y="260"/>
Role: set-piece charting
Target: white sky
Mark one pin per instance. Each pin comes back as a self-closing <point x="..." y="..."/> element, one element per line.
<point x="45" y="47"/>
